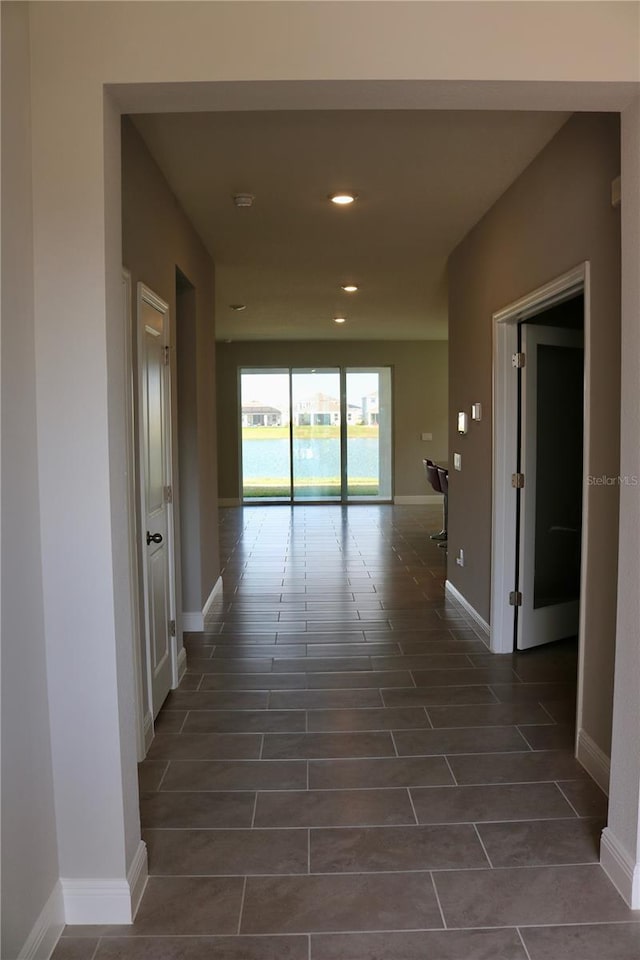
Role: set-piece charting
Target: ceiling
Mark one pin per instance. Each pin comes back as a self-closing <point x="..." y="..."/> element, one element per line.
<point x="423" y="179"/>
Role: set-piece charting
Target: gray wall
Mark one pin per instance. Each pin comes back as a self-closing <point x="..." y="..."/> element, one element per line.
<point x="157" y="238"/>
<point x="29" y="846"/>
<point x="557" y="214"/>
<point x="419" y="397"/>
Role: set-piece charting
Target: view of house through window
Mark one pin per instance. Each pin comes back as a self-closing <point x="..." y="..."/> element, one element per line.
<point x="316" y="434"/>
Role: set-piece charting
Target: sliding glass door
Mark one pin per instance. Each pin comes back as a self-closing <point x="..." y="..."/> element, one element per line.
<point x="316" y="434"/>
<point x="265" y="429"/>
<point x="315" y="430"/>
<point x="368" y="429"/>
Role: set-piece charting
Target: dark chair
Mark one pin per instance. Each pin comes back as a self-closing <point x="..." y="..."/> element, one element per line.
<point x="433" y="478"/>
<point x="443" y="477"/>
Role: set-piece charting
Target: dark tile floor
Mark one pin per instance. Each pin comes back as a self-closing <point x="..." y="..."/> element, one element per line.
<point x="346" y="773"/>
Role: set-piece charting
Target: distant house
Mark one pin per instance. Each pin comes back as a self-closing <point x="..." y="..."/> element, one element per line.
<point x="256" y="414"/>
<point x="321" y="410"/>
<point x="371" y="409"/>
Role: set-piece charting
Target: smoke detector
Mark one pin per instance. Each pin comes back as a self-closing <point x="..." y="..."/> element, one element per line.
<point x="243" y="199"/>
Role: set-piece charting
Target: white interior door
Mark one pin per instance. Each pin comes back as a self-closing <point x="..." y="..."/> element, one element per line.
<point x="155" y="483"/>
<point x="551" y="461"/>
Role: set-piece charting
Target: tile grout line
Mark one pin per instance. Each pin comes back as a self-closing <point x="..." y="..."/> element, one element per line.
<point x="413" y="806"/>
<point x="437" y="896"/>
<point x="244" y="890"/>
<point x="164" y="773"/>
<point x="475" y="827"/>
<point x="524" y="946"/>
<point x="455" y="779"/>
<point x="549" y="714"/>
<point x="575" y="810"/>
<point x="255" y="807"/>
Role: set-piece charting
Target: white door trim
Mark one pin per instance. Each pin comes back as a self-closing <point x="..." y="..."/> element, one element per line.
<point x="146" y="295"/>
<point x="505" y="433"/>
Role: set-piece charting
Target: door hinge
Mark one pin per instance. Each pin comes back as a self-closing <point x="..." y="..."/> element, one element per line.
<point x="166" y="355"/>
<point x="168" y="494"/>
<point x="517" y="480"/>
<point x="518" y="360"/>
<point x="515" y="598"/>
<point x="172" y="628"/>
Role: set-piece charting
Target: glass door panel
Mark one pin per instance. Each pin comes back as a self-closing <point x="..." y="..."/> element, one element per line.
<point x="266" y="448"/>
<point x="315" y="434"/>
<point x="368" y="393"/>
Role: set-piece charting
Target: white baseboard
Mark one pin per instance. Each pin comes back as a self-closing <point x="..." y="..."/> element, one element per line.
<point x="621" y="869"/>
<point x="46" y="931"/>
<point x="182" y="663"/>
<point x="428" y="498"/>
<point x="106" y="901"/>
<point x="482" y="627"/>
<point x="215" y="595"/>
<point x="594" y="760"/>
<point x="147" y="729"/>
<point x="137" y="877"/>
<point x="192" y="621"/>
<point x="229" y="502"/>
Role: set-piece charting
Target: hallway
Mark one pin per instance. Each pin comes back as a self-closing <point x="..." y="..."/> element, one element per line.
<point x="346" y="772"/>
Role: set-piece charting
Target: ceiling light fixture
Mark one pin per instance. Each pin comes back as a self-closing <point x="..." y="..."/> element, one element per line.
<point x="349" y="288"/>
<point x="342" y="199"/>
<point x="238" y="306"/>
<point x="243" y="199"/>
<point x="339" y="319"/>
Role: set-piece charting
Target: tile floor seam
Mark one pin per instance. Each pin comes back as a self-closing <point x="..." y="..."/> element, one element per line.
<point x="524" y="946"/>
<point x="455" y="779"/>
<point x="164" y="773"/>
<point x="413" y="806"/>
<point x="481" y="841"/>
<point x="437" y="896"/>
<point x="244" y="890"/>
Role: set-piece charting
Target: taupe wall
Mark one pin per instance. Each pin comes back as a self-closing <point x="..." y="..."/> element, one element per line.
<point x="557" y="214"/>
<point x="419" y="398"/>
<point x="29" y="843"/>
<point x="157" y="238"/>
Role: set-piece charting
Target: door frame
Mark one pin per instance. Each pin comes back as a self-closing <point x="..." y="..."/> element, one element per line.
<point x="146" y="295"/>
<point x="143" y="712"/>
<point x="505" y="447"/>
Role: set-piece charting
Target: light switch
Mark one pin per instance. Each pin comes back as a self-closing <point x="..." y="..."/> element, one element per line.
<point x="462" y="422"/>
<point x="457" y="461"/>
<point x="476" y="411"/>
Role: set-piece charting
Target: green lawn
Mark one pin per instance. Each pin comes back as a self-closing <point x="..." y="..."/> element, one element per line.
<point x="313" y="489"/>
<point x="306" y="433"/>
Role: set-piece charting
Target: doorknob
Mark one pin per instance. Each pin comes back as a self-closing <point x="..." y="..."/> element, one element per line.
<point x="154" y="538"/>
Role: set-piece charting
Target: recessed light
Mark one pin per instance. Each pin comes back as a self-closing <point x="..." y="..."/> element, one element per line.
<point x="349" y="288"/>
<point x="342" y="199"/>
<point x="238" y="306"/>
<point x="339" y="319"/>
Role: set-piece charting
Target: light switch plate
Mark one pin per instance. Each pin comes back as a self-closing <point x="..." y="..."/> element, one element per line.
<point x="476" y="411"/>
<point x="462" y="422"/>
<point x="457" y="461"/>
<point x="427" y="436"/>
